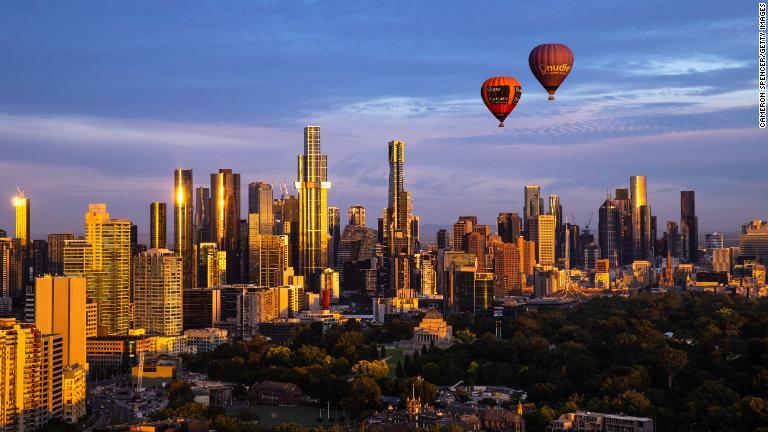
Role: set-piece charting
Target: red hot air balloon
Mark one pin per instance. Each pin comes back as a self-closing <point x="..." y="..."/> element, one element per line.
<point x="501" y="95"/>
<point x="550" y="64"/>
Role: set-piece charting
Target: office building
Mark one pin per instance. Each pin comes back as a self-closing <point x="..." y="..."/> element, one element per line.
<point x="533" y="207"/>
<point x="60" y="307"/>
<point x="183" y="223"/>
<point x="689" y="226"/>
<point x="334" y="234"/>
<point x="527" y="251"/>
<point x="73" y="394"/>
<point x="202" y="214"/>
<point x="506" y="270"/>
<point x="509" y="226"/>
<point x="211" y="267"/>
<point x="443" y="239"/>
<point x="313" y="185"/>
<point x="464" y="226"/>
<point x="609" y="231"/>
<point x="642" y="247"/>
<point x="268" y="257"/>
<point x="545" y="246"/>
<point x="356" y="215"/>
<point x="56" y="244"/>
<point x="714" y="240"/>
<point x="157" y="292"/>
<point x="11" y="270"/>
<point x="753" y="241"/>
<point x="260" y="202"/>
<point x="157" y="225"/>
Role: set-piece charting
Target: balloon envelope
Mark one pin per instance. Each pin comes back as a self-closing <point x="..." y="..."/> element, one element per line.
<point x="551" y="64"/>
<point x="501" y="95"/>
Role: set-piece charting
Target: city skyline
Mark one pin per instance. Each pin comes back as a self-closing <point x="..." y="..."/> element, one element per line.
<point x="678" y="110"/>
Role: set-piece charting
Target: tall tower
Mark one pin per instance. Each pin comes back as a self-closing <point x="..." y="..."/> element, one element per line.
<point x="556" y="210"/>
<point x="202" y="214"/>
<point x="642" y="248"/>
<point x="508" y="227"/>
<point x="60" y="308"/>
<point x="689" y="225"/>
<point x="334" y="235"/>
<point x="312" y="184"/>
<point x="225" y="219"/>
<point x="260" y="200"/>
<point x="546" y="239"/>
<point x="21" y="203"/>
<point x="532" y="207"/>
<point x="183" y="212"/>
<point x="106" y="267"/>
<point x="608" y="231"/>
<point x="157" y="292"/>
<point x="157" y="225"/>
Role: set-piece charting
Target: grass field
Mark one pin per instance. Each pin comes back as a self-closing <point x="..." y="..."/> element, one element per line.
<point x="394" y="355"/>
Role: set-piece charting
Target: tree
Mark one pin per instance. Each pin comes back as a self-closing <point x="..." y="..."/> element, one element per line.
<point x="375" y="369"/>
<point x="672" y="360"/>
<point x="179" y="394"/>
<point x="364" y="395"/>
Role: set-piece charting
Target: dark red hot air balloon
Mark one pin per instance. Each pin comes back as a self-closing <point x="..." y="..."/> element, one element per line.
<point x="501" y="95"/>
<point x="551" y="64"/>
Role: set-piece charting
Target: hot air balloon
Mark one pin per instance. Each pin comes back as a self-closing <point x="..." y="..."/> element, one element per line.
<point x="501" y="95"/>
<point x="551" y="64"/>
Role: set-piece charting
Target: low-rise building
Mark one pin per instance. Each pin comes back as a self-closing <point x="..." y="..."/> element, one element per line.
<point x="590" y="421"/>
<point x="275" y="393"/>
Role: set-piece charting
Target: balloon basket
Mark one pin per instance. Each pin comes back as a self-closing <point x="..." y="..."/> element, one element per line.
<point x="551" y="97"/>
<point x="501" y="124"/>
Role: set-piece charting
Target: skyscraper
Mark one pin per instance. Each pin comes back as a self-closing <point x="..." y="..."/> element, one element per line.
<point x="533" y="207"/>
<point x="312" y="184"/>
<point x="104" y="259"/>
<point x="334" y="235"/>
<point x="464" y="226"/>
<point x="556" y="210"/>
<point x="268" y="255"/>
<point x="157" y="292"/>
<point x="508" y="227"/>
<point x="56" y="252"/>
<point x="642" y="248"/>
<point x="689" y="225"/>
<point x="60" y="308"/>
<point x="202" y="214"/>
<point x="21" y="204"/>
<point x="608" y="231"/>
<point x="225" y="219"/>
<point x="183" y="212"/>
<point x="157" y="225"/>
<point x="399" y="237"/>
<point x="546" y="239"/>
<point x="506" y="270"/>
<point x="260" y="200"/>
<point x="443" y="239"/>
<point x="356" y="215"/>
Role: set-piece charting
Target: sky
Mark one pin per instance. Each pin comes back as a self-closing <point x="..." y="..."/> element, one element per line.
<point x="101" y="101"/>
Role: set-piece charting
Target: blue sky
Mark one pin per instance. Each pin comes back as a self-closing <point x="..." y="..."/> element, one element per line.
<point x="100" y="101"/>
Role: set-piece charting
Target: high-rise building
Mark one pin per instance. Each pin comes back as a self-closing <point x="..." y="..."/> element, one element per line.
<point x="753" y="242"/>
<point x="464" y="226"/>
<point x="260" y="202"/>
<point x="286" y="209"/>
<point x="642" y="247"/>
<point x="508" y="226"/>
<point x="211" y="265"/>
<point x="527" y="250"/>
<point x="506" y="270"/>
<point x="183" y="223"/>
<point x="428" y="275"/>
<point x="556" y="209"/>
<point x="674" y="245"/>
<point x="202" y="214"/>
<point x="443" y="239"/>
<point x="11" y="271"/>
<point x="104" y="259"/>
<point x="400" y="235"/>
<point x="56" y="252"/>
<point x="157" y="225"/>
<point x="609" y="230"/>
<point x="268" y="257"/>
<point x="546" y="240"/>
<point x="225" y="219"/>
<point x="689" y="225"/>
<point x="21" y="204"/>
<point x="312" y="184"/>
<point x="533" y="206"/>
<point x="714" y="240"/>
<point x="60" y="308"/>
<point x="356" y="215"/>
<point x="334" y="235"/>
<point x="476" y="245"/>
<point x="157" y="292"/>
<point x="31" y="378"/>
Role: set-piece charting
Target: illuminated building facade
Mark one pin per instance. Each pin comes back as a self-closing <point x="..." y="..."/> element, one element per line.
<point x="268" y="256"/>
<point x="313" y="185"/>
<point x="157" y="225"/>
<point x="183" y="212"/>
<point x="225" y="219"/>
<point x="356" y="215"/>
<point x="546" y="240"/>
<point x="689" y="226"/>
<point x="157" y="292"/>
<point x="60" y="307"/>
<point x="21" y="205"/>
<point x="260" y="202"/>
<point x="56" y="244"/>
<point x="533" y="207"/>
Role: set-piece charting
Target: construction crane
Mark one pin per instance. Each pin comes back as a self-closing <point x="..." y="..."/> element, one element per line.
<point x="589" y="221"/>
